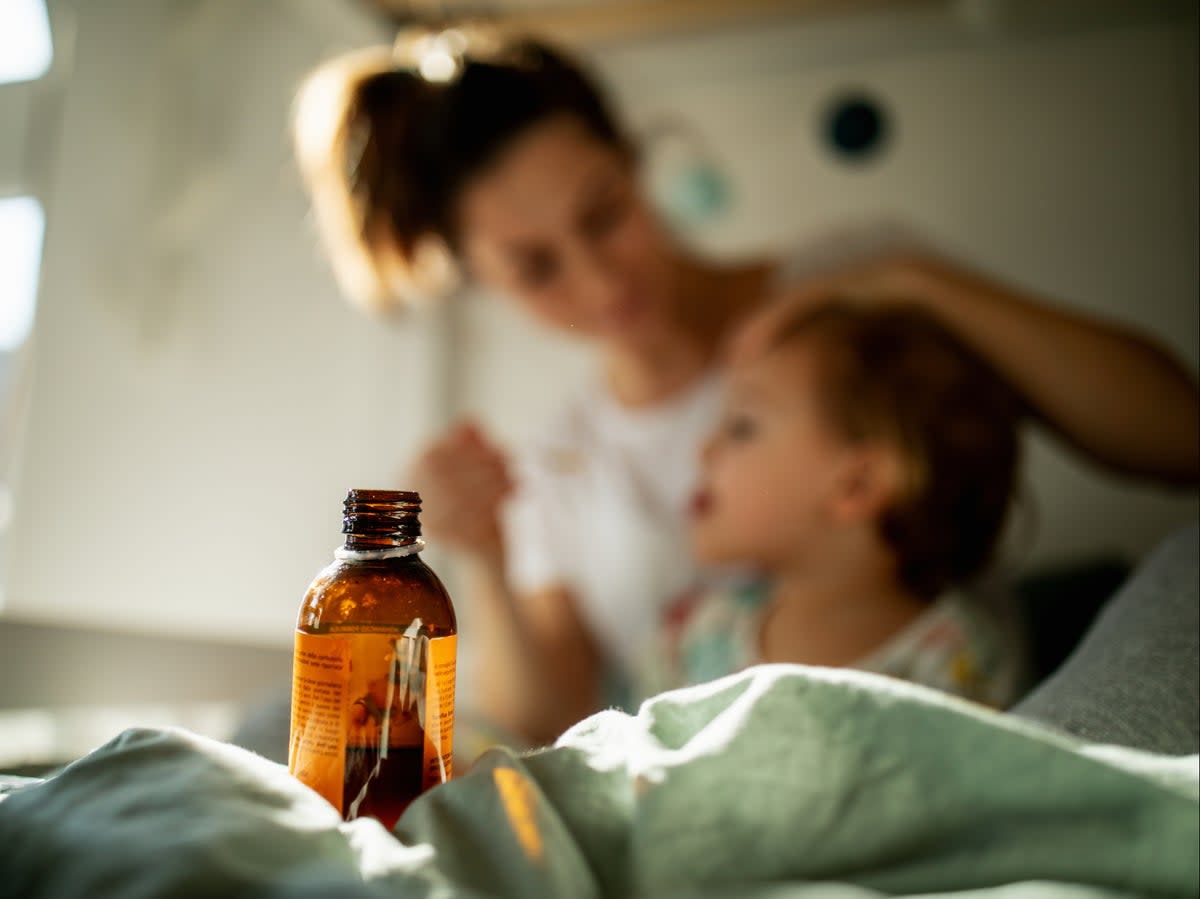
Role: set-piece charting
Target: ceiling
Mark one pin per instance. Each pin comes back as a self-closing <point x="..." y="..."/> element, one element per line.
<point x="604" y="21"/>
<point x="601" y="20"/>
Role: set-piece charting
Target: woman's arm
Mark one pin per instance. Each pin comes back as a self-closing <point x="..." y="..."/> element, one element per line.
<point x="1111" y="392"/>
<point x="1116" y="395"/>
<point x="538" y="667"/>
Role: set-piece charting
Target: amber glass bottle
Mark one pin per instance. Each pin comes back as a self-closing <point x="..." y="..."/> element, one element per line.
<point x="373" y="675"/>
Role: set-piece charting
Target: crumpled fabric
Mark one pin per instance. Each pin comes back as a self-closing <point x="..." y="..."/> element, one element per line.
<point x="782" y="782"/>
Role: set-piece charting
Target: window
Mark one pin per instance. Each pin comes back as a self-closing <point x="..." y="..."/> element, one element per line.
<point x="25" y="47"/>
<point x="26" y="54"/>
<point x="21" y="226"/>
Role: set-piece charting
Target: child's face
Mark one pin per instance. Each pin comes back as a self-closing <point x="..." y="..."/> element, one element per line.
<point x="775" y="471"/>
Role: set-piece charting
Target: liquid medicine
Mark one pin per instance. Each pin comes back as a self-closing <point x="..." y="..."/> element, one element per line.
<point x="373" y="673"/>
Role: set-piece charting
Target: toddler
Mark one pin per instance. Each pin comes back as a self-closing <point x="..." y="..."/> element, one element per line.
<point x="862" y="471"/>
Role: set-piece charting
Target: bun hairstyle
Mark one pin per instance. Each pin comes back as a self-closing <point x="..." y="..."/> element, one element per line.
<point x="894" y="375"/>
<point x="386" y="141"/>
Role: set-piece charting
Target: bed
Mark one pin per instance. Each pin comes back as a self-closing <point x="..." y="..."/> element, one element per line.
<point x="778" y="783"/>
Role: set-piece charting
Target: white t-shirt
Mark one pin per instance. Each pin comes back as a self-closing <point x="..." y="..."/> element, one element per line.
<point x="601" y="509"/>
<point x="601" y="505"/>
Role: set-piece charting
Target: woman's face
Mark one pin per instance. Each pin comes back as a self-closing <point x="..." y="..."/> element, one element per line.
<point x="560" y="225"/>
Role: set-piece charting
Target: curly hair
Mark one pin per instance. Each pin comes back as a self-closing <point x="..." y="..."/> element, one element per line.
<point x="892" y="374"/>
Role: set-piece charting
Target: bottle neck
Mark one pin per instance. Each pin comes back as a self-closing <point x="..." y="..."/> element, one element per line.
<point x="380" y="520"/>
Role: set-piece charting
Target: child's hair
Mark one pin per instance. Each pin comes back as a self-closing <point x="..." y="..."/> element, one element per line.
<point x="892" y="374"/>
<point x="385" y="152"/>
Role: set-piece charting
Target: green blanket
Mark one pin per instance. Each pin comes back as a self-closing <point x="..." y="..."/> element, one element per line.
<point x="779" y="783"/>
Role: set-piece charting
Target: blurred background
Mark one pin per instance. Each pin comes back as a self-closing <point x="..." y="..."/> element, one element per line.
<point x="185" y="398"/>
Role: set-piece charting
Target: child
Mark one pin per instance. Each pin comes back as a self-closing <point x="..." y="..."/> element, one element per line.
<point x="862" y="471"/>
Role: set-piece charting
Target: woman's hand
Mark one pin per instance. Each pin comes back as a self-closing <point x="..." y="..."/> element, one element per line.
<point x="463" y="479"/>
<point x="885" y="278"/>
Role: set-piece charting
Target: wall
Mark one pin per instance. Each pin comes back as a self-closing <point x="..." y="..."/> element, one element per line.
<point x="202" y="399"/>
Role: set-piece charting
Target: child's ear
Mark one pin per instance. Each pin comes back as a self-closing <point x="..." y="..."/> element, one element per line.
<point x="867" y="484"/>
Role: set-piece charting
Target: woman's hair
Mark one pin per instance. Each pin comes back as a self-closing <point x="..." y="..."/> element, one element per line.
<point x="386" y="152"/>
<point x="893" y="375"/>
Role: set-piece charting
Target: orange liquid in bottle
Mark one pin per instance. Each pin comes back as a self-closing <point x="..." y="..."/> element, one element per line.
<point x="373" y="677"/>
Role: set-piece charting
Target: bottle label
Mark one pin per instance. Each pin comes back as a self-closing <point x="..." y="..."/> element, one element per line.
<point x="372" y="717"/>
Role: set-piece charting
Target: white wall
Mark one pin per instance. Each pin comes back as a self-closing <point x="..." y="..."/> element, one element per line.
<point x="1064" y="161"/>
<point x="202" y="398"/>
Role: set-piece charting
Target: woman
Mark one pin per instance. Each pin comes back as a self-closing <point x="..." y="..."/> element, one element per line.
<point x="508" y="160"/>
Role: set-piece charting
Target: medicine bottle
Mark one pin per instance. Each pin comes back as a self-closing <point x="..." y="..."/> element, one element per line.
<point x="373" y="672"/>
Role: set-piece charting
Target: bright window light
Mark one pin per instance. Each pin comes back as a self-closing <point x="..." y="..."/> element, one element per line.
<point x="22" y="224"/>
<point x="25" y="48"/>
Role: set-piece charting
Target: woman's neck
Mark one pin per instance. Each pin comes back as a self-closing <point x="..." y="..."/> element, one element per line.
<point x="710" y="301"/>
<point x="835" y="619"/>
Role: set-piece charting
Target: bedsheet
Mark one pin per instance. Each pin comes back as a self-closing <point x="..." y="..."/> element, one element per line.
<point x="782" y="782"/>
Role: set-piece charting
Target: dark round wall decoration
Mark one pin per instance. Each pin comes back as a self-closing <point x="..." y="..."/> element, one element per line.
<point x="856" y="127"/>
